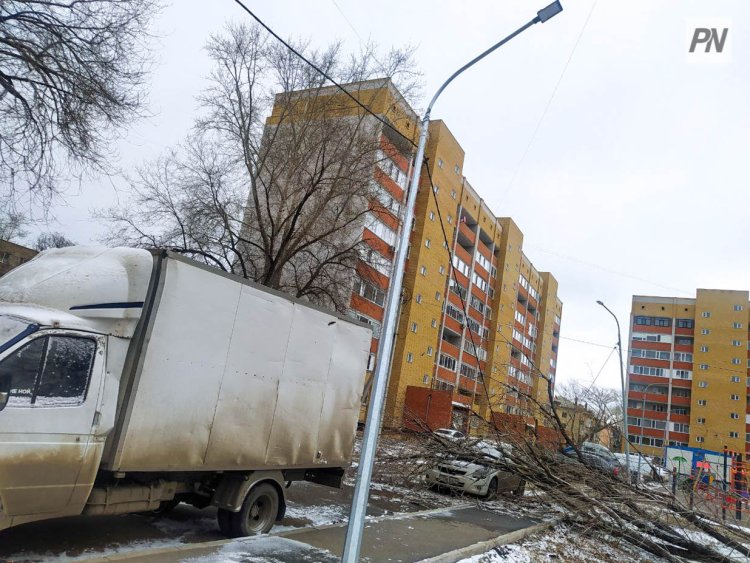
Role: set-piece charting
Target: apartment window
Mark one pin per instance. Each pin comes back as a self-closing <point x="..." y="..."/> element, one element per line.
<point x="425" y="379"/>
<point x="432" y="215"/>
<point x="453" y="194"/>
<point x="703" y="366"/>
<point x="736" y="343"/>
<point x="704" y="348"/>
<point x="456" y="169"/>
<point x="735" y="397"/>
<point x="699" y="439"/>
<point x="683" y="323"/>
<point x="409" y="357"/>
<point x="702" y="384"/>
<point x="434" y="323"/>
<point x="437" y="296"/>
<point x="682" y="373"/>
<point x="735" y="379"/>
<point x="701" y="402"/>
<point x="701" y="421"/>
<point x="427" y="242"/>
<point x="435" y="189"/>
<point x="369" y="292"/>
<point x="705" y="331"/>
<point x="440" y="162"/>
<point x="414" y="327"/>
<point x="684" y="428"/>
<point x="447" y="362"/>
<point x="441" y="269"/>
<point x="734" y="435"/>
<point x="736" y="361"/>
<point x="423" y="270"/>
<point x="738" y="307"/>
<point x="734" y="416"/>
<point x="449" y="219"/>
<point x="706" y="314"/>
<point x="736" y="325"/>
<point x="429" y="351"/>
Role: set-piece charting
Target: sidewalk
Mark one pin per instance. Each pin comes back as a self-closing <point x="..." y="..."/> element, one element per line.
<point x="402" y="537"/>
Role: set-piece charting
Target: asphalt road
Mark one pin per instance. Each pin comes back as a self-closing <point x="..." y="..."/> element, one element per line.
<point x="84" y="537"/>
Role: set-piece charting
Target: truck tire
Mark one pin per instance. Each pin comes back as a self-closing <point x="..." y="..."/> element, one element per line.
<point x="258" y="512"/>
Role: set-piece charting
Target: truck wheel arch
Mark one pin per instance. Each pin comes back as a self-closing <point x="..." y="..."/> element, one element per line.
<point x="234" y="487"/>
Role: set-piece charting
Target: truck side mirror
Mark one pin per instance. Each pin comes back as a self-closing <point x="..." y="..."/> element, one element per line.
<point x="5" y="383"/>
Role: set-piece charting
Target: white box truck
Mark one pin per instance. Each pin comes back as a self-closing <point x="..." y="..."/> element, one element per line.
<point x="133" y="380"/>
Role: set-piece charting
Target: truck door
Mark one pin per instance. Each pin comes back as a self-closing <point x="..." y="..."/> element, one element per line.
<point x="53" y="382"/>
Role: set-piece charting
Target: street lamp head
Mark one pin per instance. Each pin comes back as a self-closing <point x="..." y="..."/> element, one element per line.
<point x="549" y="12"/>
<point x="599" y="303"/>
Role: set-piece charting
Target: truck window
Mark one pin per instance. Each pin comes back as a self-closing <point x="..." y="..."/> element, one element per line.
<point x="23" y="367"/>
<point x="50" y="371"/>
<point x="65" y="375"/>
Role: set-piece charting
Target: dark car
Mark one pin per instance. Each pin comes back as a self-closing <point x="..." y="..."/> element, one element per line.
<point x="597" y="457"/>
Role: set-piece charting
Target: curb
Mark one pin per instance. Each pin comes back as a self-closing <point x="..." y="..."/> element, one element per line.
<point x="485" y="546"/>
<point x="188" y="547"/>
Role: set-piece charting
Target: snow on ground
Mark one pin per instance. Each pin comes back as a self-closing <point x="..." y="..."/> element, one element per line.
<point x="562" y="544"/>
<point x="268" y="549"/>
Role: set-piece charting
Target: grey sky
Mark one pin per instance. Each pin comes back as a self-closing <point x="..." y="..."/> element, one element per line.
<point x="634" y="182"/>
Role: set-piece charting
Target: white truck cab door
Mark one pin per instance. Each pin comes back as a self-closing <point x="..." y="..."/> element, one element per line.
<point x="52" y="383"/>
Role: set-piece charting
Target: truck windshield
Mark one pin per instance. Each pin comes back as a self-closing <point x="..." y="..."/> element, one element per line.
<point x="10" y="328"/>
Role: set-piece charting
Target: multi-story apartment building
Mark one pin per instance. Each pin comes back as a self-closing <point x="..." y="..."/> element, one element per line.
<point x="478" y="322"/>
<point x="688" y="371"/>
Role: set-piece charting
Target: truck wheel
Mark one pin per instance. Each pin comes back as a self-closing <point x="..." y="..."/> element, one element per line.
<point x="258" y="512"/>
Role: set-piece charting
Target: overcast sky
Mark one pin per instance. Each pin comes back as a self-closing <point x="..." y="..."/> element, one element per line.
<point x="623" y="161"/>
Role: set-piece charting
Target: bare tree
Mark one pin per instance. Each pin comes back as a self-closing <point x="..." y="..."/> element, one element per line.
<point x="71" y="75"/>
<point x="592" y="409"/>
<point x="280" y="199"/>
<point x="12" y="225"/>
<point x="52" y="240"/>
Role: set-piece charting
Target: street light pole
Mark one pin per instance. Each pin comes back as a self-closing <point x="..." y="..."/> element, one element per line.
<point x="356" y="525"/>
<point x="624" y="396"/>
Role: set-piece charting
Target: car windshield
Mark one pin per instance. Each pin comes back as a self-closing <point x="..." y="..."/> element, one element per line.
<point x="10" y="327"/>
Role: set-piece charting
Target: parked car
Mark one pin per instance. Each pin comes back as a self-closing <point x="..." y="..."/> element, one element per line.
<point x="450" y="433"/>
<point x="647" y="469"/>
<point x="473" y="472"/>
<point x="596" y="456"/>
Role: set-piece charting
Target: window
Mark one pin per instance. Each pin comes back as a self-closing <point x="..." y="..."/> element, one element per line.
<point x="658" y="321"/>
<point x="440" y="162"/>
<point x="736" y="361"/>
<point x="704" y="348"/>
<point x="414" y="327"/>
<point x="432" y="215"/>
<point x="735" y="397"/>
<point x="50" y="371"/>
<point x="736" y="325"/>
<point x="371" y="362"/>
<point x="409" y="357"/>
<point x="423" y="270"/>
<point x="684" y="323"/>
<point x="702" y="402"/>
<point x="441" y="269"/>
<point x="736" y="343"/>
<point x="699" y="439"/>
<point x="734" y="435"/>
<point x="429" y="351"/>
<point x="738" y="307"/>
<point x="706" y="314"/>
<point x="702" y="384"/>
<point x="382" y="231"/>
<point x="683" y="373"/>
<point x="735" y="379"/>
<point x="734" y="416"/>
<point x="376" y="326"/>
<point x="705" y="331"/>
<point x="701" y="421"/>
<point x="434" y="323"/>
<point x="450" y="219"/>
<point x="447" y="362"/>
<point x="369" y="291"/>
<point x="703" y="366"/>
<point x="678" y="427"/>
<point x="425" y="379"/>
<point x="427" y="242"/>
<point x="418" y="298"/>
<point x="453" y="194"/>
<point x="456" y="169"/>
<point x="437" y="296"/>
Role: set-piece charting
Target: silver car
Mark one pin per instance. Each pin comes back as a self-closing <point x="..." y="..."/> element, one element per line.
<point x="467" y="473"/>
